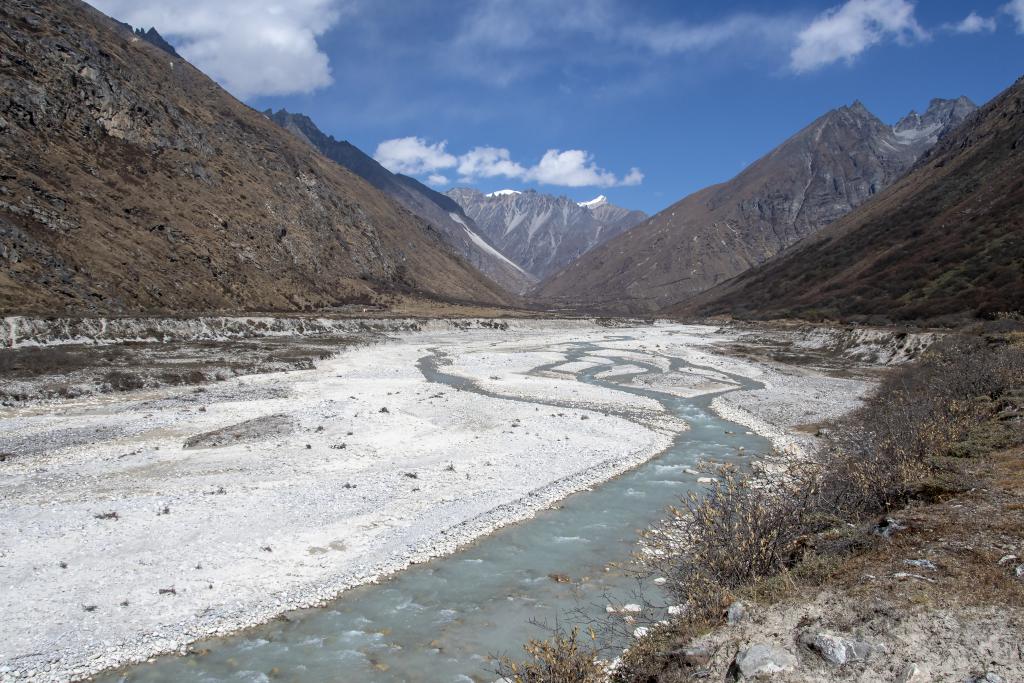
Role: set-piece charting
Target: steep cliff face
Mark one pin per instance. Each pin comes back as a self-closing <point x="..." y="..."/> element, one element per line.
<point x="441" y="212"/>
<point x="946" y="240"/>
<point x="817" y="176"/>
<point x="130" y="182"/>
<point x="543" y="233"/>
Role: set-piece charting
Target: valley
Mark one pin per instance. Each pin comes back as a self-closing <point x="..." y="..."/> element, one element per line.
<point x="505" y="342"/>
<point x="173" y="514"/>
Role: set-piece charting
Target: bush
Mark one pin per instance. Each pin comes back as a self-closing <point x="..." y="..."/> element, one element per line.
<point x="563" y="658"/>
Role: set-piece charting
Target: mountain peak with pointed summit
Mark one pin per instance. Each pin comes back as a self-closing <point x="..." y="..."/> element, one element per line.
<point x="830" y="167"/>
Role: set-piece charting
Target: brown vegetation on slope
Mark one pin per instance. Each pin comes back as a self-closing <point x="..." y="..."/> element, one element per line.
<point x="945" y="241"/>
<point x="131" y="182"/>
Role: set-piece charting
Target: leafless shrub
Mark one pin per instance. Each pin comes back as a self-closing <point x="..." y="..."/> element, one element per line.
<point x="107" y="515"/>
<point x="562" y="658"/>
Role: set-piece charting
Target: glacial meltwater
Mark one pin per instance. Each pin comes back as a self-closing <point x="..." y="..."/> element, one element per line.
<point x="441" y="621"/>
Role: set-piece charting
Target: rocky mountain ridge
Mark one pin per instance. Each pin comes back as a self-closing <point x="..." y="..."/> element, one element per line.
<point x="944" y="243"/>
<point x="820" y="174"/>
<point x="540" y="232"/>
<point x="132" y="183"/>
<point x="438" y="210"/>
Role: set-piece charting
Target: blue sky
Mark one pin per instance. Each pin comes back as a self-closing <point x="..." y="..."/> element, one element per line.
<point x="642" y="101"/>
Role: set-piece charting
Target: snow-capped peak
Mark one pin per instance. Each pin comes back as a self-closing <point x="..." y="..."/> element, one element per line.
<point x="599" y="200"/>
<point x="502" y="193"/>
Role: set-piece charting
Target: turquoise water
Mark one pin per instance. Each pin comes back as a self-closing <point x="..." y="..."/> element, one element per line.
<point x="442" y="620"/>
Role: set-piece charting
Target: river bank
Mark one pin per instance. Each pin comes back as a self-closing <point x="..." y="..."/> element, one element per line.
<point x="295" y="486"/>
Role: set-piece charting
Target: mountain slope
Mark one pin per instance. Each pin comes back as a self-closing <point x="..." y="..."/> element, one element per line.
<point x="824" y="171"/>
<point x="438" y="210"/>
<point x="540" y="232"/>
<point x="945" y="240"/>
<point x="131" y="182"/>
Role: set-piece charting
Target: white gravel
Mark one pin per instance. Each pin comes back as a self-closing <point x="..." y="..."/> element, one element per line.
<point x="273" y="522"/>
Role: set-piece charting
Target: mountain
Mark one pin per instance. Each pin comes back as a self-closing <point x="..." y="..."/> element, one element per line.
<point x="540" y="232"/>
<point x="820" y="174"/>
<point x="153" y="37"/>
<point x="131" y="182"/>
<point x="439" y="211"/>
<point x="945" y="241"/>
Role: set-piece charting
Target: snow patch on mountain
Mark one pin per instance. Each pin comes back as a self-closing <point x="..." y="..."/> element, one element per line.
<point x="479" y="241"/>
<point x="599" y="200"/>
<point x="502" y="193"/>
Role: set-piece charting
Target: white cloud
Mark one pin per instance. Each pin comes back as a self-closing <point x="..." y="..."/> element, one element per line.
<point x="569" y="168"/>
<point x="974" y="23"/>
<point x="677" y="37"/>
<point x="1015" y="8"/>
<point x="843" y="33"/>
<point x="251" y="47"/>
<point x="413" y="156"/>
<point x="489" y="162"/>
<point x="634" y="177"/>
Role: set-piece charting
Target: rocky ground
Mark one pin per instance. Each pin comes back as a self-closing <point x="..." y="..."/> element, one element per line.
<point x="942" y="599"/>
<point x="136" y="522"/>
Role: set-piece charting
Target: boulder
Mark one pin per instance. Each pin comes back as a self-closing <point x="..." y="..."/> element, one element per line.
<point x="761" y="661"/>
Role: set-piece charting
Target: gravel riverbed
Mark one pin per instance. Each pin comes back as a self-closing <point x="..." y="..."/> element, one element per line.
<point x="136" y="523"/>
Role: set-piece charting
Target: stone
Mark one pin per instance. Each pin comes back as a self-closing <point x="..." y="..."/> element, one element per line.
<point x="761" y="660"/>
<point x="921" y="564"/>
<point x="836" y="650"/>
<point x="640" y="631"/>
<point x="913" y="673"/>
<point x="736" y="613"/>
<point x="631" y="608"/>
<point x="692" y="656"/>
<point x="987" y="677"/>
<point x="888" y="526"/>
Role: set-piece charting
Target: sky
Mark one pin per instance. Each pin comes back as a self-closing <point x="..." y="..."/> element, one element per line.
<point x="642" y="101"/>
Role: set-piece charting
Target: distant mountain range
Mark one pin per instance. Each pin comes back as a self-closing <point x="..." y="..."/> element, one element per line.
<point x="540" y="232"/>
<point x="944" y="243"/>
<point x="817" y="176"/>
<point x="441" y="212"/>
<point x="131" y="182"/>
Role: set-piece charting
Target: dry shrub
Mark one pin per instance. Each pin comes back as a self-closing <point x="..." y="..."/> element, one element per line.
<point x="739" y="531"/>
<point x="877" y="458"/>
<point x="562" y="658"/>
